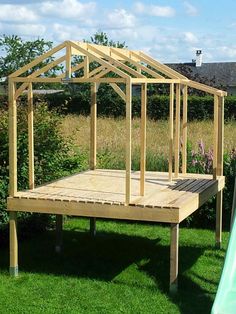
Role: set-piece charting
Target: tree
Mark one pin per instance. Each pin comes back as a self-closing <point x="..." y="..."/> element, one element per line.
<point x="16" y="53"/>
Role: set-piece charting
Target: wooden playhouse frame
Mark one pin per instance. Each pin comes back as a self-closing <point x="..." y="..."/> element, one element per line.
<point x="142" y="196"/>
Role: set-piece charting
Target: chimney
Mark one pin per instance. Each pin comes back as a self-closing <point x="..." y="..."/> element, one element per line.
<point x="198" y="58"/>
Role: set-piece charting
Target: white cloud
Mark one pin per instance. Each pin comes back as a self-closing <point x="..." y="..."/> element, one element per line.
<point x="120" y="19"/>
<point x="190" y="38"/>
<point x="17" y="13"/>
<point x="154" y="10"/>
<point x="190" y="9"/>
<point x="61" y="32"/>
<point x="68" y="9"/>
<point x="227" y="51"/>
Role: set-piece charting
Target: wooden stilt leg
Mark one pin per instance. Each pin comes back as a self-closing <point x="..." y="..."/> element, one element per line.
<point x="13" y="269"/>
<point x="93" y="226"/>
<point x="219" y="199"/>
<point x="174" y="254"/>
<point x="59" y="225"/>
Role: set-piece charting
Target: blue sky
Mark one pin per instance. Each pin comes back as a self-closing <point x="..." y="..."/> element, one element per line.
<point x="171" y="31"/>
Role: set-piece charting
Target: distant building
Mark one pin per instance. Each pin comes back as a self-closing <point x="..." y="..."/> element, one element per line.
<point x="217" y="74"/>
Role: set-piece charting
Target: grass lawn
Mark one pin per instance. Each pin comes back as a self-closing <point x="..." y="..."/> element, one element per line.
<point x="124" y="269"/>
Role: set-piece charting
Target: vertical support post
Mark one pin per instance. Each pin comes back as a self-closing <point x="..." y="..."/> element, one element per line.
<point x="13" y="269"/>
<point x="174" y="256"/>
<point x="68" y="61"/>
<point x="59" y="226"/>
<point x="12" y="139"/>
<point x="86" y="66"/>
<point x="143" y="137"/>
<point x="93" y="126"/>
<point x="128" y="141"/>
<point x="219" y="171"/>
<point x="215" y="140"/>
<point x="177" y="130"/>
<point x="185" y="129"/>
<point x="171" y="129"/>
<point x="93" y="226"/>
<point x="31" y="136"/>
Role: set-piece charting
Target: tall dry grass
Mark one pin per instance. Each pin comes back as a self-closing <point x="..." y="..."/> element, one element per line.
<point x="111" y="134"/>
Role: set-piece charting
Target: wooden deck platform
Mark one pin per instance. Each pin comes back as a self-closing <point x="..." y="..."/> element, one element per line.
<point x="101" y="193"/>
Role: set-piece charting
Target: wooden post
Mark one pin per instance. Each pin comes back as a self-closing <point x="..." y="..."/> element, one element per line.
<point x="93" y="126"/>
<point x="92" y="226"/>
<point x="12" y="140"/>
<point x="128" y="141"/>
<point x="171" y="130"/>
<point x="215" y="140"/>
<point x="174" y="255"/>
<point x="219" y="170"/>
<point x="143" y="137"/>
<point x="31" y="136"/>
<point x="13" y="269"/>
<point x="68" y="61"/>
<point x="177" y="130"/>
<point x="86" y="66"/>
<point x="59" y="226"/>
<point x="185" y="129"/>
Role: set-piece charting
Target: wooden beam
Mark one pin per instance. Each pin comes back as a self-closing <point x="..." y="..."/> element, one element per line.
<point x="73" y="69"/>
<point x="174" y="256"/>
<point x="93" y="126"/>
<point x="86" y="66"/>
<point x="71" y="80"/>
<point x="38" y="72"/>
<point x="154" y="80"/>
<point x="12" y="139"/>
<point x="147" y="62"/>
<point x="138" y="65"/>
<point x="31" y="136"/>
<point x="101" y="61"/>
<point x="118" y="90"/>
<point x="96" y="71"/>
<point x="143" y="137"/>
<point x="37" y="60"/>
<point x="205" y="88"/>
<point x="162" y="67"/>
<point x="13" y="269"/>
<point x="215" y="139"/>
<point x="59" y="227"/>
<point x="177" y="130"/>
<point x="171" y="130"/>
<point x="68" y="60"/>
<point x="115" y="62"/>
<point x="185" y="129"/>
<point x="219" y="170"/>
<point x="128" y="142"/>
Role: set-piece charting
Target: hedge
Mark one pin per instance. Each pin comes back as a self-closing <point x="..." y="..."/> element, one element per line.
<point x="110" y="104"/>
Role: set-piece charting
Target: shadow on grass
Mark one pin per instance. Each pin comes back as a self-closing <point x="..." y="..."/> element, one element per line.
<point x="107" y="255"/>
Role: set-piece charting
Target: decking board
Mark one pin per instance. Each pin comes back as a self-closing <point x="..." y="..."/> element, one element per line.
<point x="104" y="190"/>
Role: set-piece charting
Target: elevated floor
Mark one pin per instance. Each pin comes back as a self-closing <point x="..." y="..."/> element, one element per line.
<point x="101" y="193"/>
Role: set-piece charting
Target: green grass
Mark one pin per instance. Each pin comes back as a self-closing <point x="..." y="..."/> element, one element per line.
<point x="124" y="269"/>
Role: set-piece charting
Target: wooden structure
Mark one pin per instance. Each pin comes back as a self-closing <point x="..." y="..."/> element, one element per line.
<point x="120" y="194"/>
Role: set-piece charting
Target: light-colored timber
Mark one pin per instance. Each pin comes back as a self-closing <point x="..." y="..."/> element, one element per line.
<point x="116" y="194"/>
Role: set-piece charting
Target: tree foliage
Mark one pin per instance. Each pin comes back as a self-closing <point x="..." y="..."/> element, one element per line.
<point x="15" y="53"/>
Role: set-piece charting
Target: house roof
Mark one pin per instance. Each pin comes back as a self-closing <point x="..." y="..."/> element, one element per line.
<point x="127" y="66"/>
<point x="218" y="74"/>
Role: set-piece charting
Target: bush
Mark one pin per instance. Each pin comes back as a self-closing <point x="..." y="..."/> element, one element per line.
<point x="54" y="156"/>
<point x="201" y="161"/>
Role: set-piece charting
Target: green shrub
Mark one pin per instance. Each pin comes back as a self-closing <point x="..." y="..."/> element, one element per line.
<point x="54" y="156"/>
<point x="110" y="104"/>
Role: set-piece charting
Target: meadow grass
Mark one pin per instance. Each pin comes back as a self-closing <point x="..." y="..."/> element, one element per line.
<point x="111" y="138"/>
<point x="124" y="269"/>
